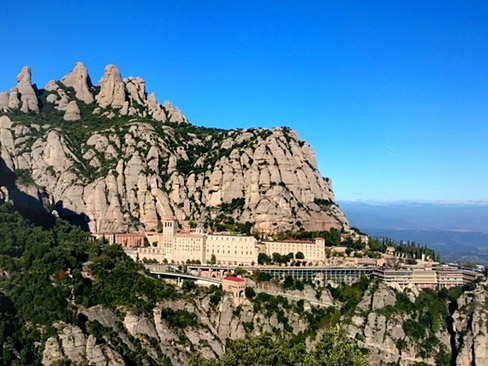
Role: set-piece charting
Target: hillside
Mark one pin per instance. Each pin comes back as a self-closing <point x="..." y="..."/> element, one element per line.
<point x="66" y="299"/>
<point x="111" y="158"/>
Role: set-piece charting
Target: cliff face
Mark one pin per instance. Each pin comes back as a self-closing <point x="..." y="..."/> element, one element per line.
<point x="115" y="159"/>
<point x="470" y="324"/>
<point x="386" y="334"/>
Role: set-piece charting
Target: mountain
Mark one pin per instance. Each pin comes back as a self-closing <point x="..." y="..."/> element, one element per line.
<point x="110" y="157"/>
<point x="458" y="232"/>
<point x="66" y="299"/>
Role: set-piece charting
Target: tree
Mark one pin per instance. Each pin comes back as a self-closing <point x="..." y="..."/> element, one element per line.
<point x="276" y="257"/>
<point x="299" y="255"/>
<point x="289" y="282"/>
<point x="250" y="293"/>
<point x="213" y="259"/>
<point x="263" y="259"/>
<point x="240" y="271"/>
<point x="336" y="348"/>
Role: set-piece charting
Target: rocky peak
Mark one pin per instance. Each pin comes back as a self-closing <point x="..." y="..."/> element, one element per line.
<point x="116" y="96"/>
<point x="136" y="89"/>
<point x="28" y="96"/>
<point x="125" y="174"/>
<point x="112" y="89"/>
<point x="79" y="80"/>
<point x="22" y="96"/>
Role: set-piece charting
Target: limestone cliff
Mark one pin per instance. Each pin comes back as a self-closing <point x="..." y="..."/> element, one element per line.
<point x="379" y="322"/>
<point x="115" y="159"/>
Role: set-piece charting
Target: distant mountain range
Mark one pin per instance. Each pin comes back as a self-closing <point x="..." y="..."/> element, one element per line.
<point x="458" y="231"/>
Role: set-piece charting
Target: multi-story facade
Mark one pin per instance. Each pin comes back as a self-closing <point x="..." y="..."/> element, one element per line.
<point x="313" y="251"/>
<point x="424" y="278"/>
<point x="392" y="276"/>
<point x="231" y="249"/>
<point x="125" y="239"/>
<point x="427" y="278"/>
<point x="196" y="246"/>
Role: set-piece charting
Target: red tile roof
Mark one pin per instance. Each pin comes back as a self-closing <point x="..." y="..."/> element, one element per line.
<point x="233" y="278"/>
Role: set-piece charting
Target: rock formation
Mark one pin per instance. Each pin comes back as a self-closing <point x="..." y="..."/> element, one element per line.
<point x="79" y="80"/>
<point x="132" y="170"/>
<point x="470" y="323"/>
<point x="28" y="96"/>
<point x="72" y="112"/>
<point x="13" y="99"/>
<point x="377" y="323"/>
<point x="23" y="96"/>
<point x="112" y="90"/>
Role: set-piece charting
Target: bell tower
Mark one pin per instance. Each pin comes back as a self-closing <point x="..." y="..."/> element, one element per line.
<point x="169" y="226"/>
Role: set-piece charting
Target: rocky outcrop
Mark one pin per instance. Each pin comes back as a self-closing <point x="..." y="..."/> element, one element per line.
<point x="112" y="90"/>
<point x="28" y="98"/>
<point x="116" y="96"/>
<point x="213" y="326"/>
<point x="378" y="323"/>
<point x="23" y="96"/>
<point x="271" y="176"/>
<point x="470" y="327"/>
<point x="73" y="345"/>
<point x="381" y="329"/>
<point x="132" y="170"/>
<point x="79" y="80"/>
<point x="72" y="112"/>
<point x="3" y="101"/>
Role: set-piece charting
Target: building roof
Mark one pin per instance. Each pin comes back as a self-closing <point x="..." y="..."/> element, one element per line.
<point x="234" y="279"/>
<point x="290" y="241"/>
<point x="189" y="235"/>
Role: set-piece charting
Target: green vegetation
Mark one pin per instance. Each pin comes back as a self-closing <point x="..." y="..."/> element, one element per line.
<point x="291" y="284"/>
<point x="333" y="238"/>
<point x="235" y="204"/>
<point x="323" y="203"/>
<point x="47" y="275"/>
<point x="179" y="318"/>
<point x="427" y="316"/>
<point x="260" y="276"/>
<point x="23" y="176"/>
<point x="335" y="348"/>
<point x="225" y="223"/>
<point x="277" y="258"/>
<point x="250" y="293"/>
<point x="350" y="295"/>
<point x="216" y="295"/>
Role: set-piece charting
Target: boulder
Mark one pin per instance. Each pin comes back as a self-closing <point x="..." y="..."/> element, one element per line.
<point x="72" y="112"/>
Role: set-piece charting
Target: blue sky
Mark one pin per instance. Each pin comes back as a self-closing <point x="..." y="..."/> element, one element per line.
<point x="393" y="96"/>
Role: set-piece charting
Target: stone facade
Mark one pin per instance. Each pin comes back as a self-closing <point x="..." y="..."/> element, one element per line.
<point x="130" y="240"/>
<point x="235" y="285"/>
<point x="199" y="247"/>
<point x="427" y="278"/>
<point x="313" y="251"/>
